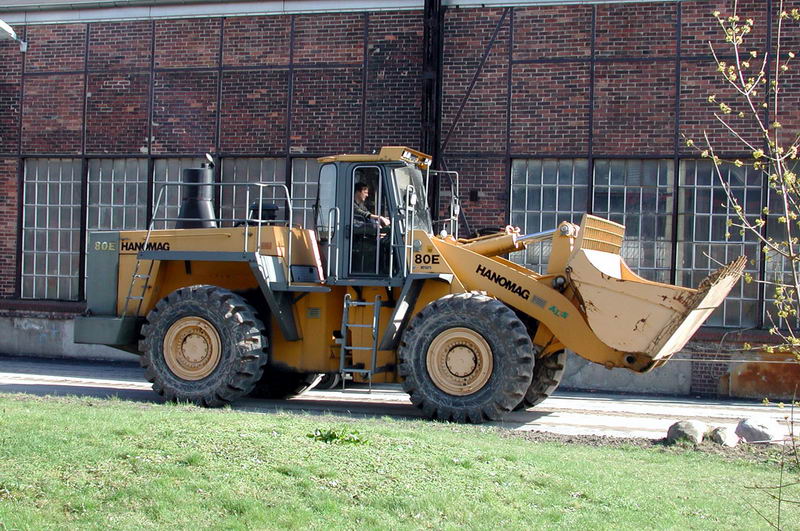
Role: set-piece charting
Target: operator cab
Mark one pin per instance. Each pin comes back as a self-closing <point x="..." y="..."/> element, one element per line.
<point x="365" y="206"/>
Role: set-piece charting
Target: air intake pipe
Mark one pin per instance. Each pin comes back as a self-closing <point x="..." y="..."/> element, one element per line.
<point x="197" y="206"/>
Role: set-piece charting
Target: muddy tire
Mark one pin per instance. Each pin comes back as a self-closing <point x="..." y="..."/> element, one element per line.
<point x="203" y="344"/>
<point x="278" y="383"/>
<point x="466" y="358"/>
<point x="547" y="374"/>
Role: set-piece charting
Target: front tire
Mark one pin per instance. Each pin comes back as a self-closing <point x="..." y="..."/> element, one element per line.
<point x="547" y="374"/>
<point x="203" y="344"/>
<point x="466" y="358"/>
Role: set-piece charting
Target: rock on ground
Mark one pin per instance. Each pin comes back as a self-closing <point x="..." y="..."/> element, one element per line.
<point x="760" y="430"/>
<point x="724" y="436"/>
<point x="690" y="430"/>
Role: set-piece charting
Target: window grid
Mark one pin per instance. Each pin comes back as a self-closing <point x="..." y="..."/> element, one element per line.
<point x="235" y="200"/>
<point x="639" y="195"/>
<point x="545" y="192"/>
<point x="51" y="229"/>
<point x="705" y="241"/>
<point x="117" y="194"/>
<point x="777" y="268"/>
<point x="169" y="171"/>
<point x="305" y="174"/>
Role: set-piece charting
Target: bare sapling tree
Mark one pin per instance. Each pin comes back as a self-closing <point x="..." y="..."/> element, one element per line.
<point x="755" y="112"/>
<point x="752" y="113"/>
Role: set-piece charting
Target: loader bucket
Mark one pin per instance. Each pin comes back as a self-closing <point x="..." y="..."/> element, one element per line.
<point x="630" y="313"/>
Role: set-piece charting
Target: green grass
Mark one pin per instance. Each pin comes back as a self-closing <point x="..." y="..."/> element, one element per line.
<point x="68" y="463"/>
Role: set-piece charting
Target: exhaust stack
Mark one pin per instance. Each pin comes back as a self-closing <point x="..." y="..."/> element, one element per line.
<point x="197" y="206"/>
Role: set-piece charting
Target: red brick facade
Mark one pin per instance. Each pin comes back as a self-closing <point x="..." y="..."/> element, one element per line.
<point x="116" y="113"/>
<point x="8" y="226"/>
<point x="320" y="83"/>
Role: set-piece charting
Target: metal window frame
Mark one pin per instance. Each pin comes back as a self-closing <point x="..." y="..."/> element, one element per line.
<point x="30" y="230"/>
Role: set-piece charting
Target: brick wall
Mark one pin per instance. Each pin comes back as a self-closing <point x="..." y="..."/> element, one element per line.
<point x="482" y="124"/>
<point x="257" y="41"/>
<point x="550" y="108"/>
<point x="192" y="43"/>
<point x="10" y="105"/>
<point x="333" y="38"/>
<point x="120" y="45"/>
<point x="488" y="176"/>
<point x="56" y="48"/>
<point x="184" y="112"/>
<point x="707" y="372"/>
<point x="116" y="113"/>
<point x="52" y="114"/>
<point x="8" y="226"/>
<point x="552" y="33"/>
<point x="254" y="112"/>
<point x="698" y="27"/>
<point x="394" y="66"/>
<point x="634" y="108"/>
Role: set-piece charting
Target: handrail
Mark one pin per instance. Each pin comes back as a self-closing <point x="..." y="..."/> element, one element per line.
<point x="246" y="220"/>
<point x="409" y="235"/>
<point x="334" y="211"/>
<point x="455" y="201"/>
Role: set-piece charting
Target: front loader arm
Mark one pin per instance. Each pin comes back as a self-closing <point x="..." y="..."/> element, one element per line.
<point x="530" y="293"/>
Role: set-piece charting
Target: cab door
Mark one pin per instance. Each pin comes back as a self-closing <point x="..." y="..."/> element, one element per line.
<point x="369" y="223"/>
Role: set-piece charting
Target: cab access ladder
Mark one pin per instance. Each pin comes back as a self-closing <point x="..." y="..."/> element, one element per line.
<point x="136" y="294"/>
<point x="346" y="365"/>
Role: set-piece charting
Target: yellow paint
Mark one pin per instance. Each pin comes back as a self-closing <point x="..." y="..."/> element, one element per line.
<point x="168" y="276"/>
<point x="387" y="154"/>
<point x="546" y="305"/>
<point x="607" y="289"/>
<point x="317" y="315"/>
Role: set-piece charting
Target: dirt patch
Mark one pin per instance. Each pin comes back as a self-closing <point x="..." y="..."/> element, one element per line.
<point x="759" y="453"/>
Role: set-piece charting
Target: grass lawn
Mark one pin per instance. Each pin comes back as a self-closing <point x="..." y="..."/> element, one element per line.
<point x="71" y="463"/>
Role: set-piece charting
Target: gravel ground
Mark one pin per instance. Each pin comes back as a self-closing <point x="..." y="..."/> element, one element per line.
<point x="763" y="453"/>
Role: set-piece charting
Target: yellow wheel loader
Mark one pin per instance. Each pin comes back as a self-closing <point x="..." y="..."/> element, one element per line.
<point x="226" y="301"/>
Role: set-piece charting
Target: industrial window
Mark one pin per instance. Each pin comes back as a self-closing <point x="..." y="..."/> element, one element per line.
<point x="777" y="268"/>
<point x="305" y="176"/>
<point x="705" y="241"/>
<point x="639" y="195"/>
<point x="235" y="201"/>
<point x="117" y="194"/>
<point x="545" y="192"/>
<point x="169" y="171"/>
<point x="51" y="228"/>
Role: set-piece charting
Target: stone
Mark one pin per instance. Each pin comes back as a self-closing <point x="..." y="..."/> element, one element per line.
<point x="690" y="430"/>
<point x="760" y="430"/>
<point x="724" y="436"/>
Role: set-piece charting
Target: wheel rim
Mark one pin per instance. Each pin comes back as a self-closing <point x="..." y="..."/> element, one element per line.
<point x="192" y="348"/>
<point x="459" y="361"/>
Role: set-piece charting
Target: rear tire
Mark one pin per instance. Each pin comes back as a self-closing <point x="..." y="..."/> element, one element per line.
<point x="203" y="344"/>
<point x="466" y="358"/>
<point x="547" y="374"/>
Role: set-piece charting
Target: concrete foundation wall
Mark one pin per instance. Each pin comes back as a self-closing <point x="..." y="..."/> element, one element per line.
<point x="674" y="378"/>
<point x="50" y="338"/>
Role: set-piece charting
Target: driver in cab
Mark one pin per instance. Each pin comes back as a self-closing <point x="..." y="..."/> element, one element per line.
<point x="360" y="209"/>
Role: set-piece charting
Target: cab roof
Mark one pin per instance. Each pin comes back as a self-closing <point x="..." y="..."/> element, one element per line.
<point x="386" y="154"/>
